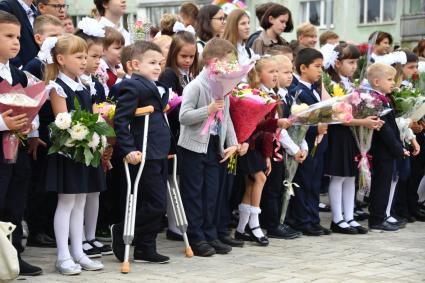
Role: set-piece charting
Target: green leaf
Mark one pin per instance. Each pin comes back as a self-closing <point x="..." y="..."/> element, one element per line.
<point x="88" y="156"/>
<point x="54" y="149"/>
<point x="104" y="129"/>
<point x="96" y="159"/>
<point x="77" y="105"/>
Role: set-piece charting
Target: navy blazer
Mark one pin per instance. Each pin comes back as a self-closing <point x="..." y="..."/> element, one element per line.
<point x="29" y="47"/>
<point x="140" y="92"/>
<point x="35" y="67"/>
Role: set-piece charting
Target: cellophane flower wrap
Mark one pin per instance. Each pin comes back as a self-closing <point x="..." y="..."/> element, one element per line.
<point x="409" y="102"/>
<point x="139" y="30"/>
<point x="21" y="100"/>
<point x="365" y="103"/>
<point x="174" y="101"/>
<point x="80" y="135"/>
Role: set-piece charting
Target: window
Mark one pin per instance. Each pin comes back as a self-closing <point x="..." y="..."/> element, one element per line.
<point x="317" y="12"/>
<point x="377" y="11"/>
<point x="417" y="6"/>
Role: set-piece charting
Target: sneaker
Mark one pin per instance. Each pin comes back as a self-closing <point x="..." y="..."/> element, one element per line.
<point x="140" y="256"/>
<point x="118" y="246"/>
<point x="384" y="226"/>
<point x="219" y="247"/>
<point x="92" y="251"/>
<point x="283" y="232"/>
<point x="203" y="249"/>
<point x="103" y="234"/>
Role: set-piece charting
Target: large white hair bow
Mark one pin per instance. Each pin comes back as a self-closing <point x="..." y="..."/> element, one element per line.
<point x="45" y="53"/>
<point x="392" y="58"/>
<point x="329" y="55"/>
<point x="91" y="27"/>
<point x="178" y="26"/>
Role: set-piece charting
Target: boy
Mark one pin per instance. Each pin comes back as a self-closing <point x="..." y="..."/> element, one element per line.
<point x="202" y="154"/>
<point x="44" y="26"/>
<point x="328" y="37"/>
<point x="68" y="25"/>
<point x="305" y="203"/>
<point x="271" y="201"/>
<point x="307" y="35"/>
<point x="140" y="91"/>
<point x="282" y="50"/>
<point x="386" y="149"/>
<point x="14" y="178"/>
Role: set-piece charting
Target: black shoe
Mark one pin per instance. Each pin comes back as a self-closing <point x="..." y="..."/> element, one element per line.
<point x="324" y="207"/>
<point x="118" y="246"/>
<point x="242" y="236"/>
<point x="283" y="232"/>
<point x="347" y="230"/>
<point x="399" y="223"/>
<point x="360" y="215"/>
<point x="26" y="269"/>
<point x="104" y="249"/>
<point x="319" y="227"/>
<point x="172" y="236"/>
<point x="203" y="249"/>
<point x="360" y="229"/>
<point x="262" y="241"/>
<point x="231" y="242"/>
<point x="419" y="216"/>
<point x="219" y="247"/>
<point x="310" y="231"/>
<point x="93" y="251"/>
<point x="384" y="226"/>
<point x="103" y="234"/>
<point x="41" y="240"/>
<point x="153" y="257"/>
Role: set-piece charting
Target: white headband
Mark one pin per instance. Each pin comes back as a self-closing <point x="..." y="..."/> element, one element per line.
<point x="329" y="55"/>
<point x="45" y="53"/>
<point x="91" y="27"/>
<point x="178" y="26"/>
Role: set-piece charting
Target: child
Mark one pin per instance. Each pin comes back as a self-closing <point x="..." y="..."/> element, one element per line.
<point x="282" y="50"/>
<point x="189" y="12"/>
<point x="15" y="178"/>
<point x="307" y="35"/>
<point x="386" y="149"/>
<point x="68" y="25"/>
<point x="164" y="42"/>
<point x="340" y="162"/>
<point x="71" y="180"/>
<point x="181" y="68"/>
<point x="140" y="91"/>
<point x="276" y="19"/>
<point x="256" y="165"/>
<point x="328" y="37"/>
<point x="304" y="206"/>
<point x="126" y="67"/>
<point x="201" y="154"/>
<point x="44" y="26"/>
<point x="271" y="201"/>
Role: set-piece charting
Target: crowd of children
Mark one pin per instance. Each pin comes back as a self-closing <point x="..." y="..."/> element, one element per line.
<point x="63" y="200"/>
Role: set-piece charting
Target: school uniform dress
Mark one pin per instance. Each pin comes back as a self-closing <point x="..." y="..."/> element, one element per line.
<point x="64" y="175"/>
<point x="35" y="67"/>
<point x="97" y="91"/>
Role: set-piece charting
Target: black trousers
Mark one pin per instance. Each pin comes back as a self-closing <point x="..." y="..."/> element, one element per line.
<point x="14" y="184"/>
<point x="223" y="202"/>
<point x="199" y="185"/>
<point x="151" y="203"/>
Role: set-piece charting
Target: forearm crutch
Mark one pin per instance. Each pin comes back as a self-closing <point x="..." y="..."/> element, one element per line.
<point x="177" y="206"/>
<point x="131" y="201"/>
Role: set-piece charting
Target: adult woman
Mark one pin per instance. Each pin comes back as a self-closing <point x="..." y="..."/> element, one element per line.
<point x="210" y="23"/>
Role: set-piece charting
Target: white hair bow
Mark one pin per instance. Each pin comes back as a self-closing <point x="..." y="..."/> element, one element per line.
<point x="91" y="27"/>
<point x="329" y="55"/>
<point x="178" y="26"/>
<point x="392" y="58"/>
<point x="45" y="53"/>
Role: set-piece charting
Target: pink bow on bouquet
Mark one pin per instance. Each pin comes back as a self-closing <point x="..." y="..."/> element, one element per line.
<point x="21" y="100"/>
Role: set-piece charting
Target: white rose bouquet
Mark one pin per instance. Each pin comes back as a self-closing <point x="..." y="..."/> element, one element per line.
<point x="80" y="135"/>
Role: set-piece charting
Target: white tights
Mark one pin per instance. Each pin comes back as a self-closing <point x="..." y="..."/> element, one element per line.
<point x="91" y="212"/>
<point x="341" y="196"/>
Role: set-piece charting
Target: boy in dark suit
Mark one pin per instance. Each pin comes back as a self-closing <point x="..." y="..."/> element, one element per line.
<point x="140" y="91"/>
<point x="305" y="204"/>
<point x="14" y="178"/>
<point x="386" y="149"/>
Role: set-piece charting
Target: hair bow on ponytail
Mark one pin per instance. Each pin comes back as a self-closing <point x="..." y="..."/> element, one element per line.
<point x="45" y="53"/>
<point x="329" y="55"/>
<point x="178" y="26"/>
<point x="91" y="27"/>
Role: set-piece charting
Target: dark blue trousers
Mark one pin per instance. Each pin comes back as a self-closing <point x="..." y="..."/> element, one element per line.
<point x="200" y="185"/>
<point x="223" y="202"/>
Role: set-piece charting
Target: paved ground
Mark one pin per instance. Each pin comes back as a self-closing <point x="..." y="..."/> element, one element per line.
<point x="386" y="257"/>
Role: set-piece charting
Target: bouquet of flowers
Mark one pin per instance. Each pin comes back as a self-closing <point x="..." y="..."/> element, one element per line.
<point x="80" y="135"/>
<point x="21" y="100"/>
<point x="139" y="30"/>
<point x="365" y="104"/>
<point x="107" y="111"/>
<point x="173" y="101"/>
<point x="334" y="90"/>
<point x="408" y="102"/>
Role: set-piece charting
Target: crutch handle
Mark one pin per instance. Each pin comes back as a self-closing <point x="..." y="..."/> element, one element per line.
<point x="170" y="156"/>
<point x="142" y="111"/>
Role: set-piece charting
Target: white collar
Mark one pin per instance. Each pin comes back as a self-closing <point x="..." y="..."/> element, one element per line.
<point x="75" y="86"/>
<point x="87" y="78"/>
<point x="282" y="92"/>
<point x="5" y="65"/>
<point x="24" y="5"/>
<point x="347" y="83"/>
<point x="296" y="76"/>
<point x="106" y="22"/>
<point x="305" y="83"/>
<point x="268" y="90"/>
<point x="184" y="72"/>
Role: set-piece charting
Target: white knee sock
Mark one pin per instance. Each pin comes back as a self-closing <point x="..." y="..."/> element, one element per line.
<point x="244" y="212"/>
<point x="255" y="222"/>
<point x="421" y="190"/>
<point x="390" y="199"/>
<point x="348" y="199"/>
<point x="172" y="225"/>
<point x="335" y="198"/>
<point x="76" y="226"/>
<point x="91" y="213"/>
<point x="61" y="226"/>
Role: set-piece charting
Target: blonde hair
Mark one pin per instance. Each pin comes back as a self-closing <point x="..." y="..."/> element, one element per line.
<point x="67" y="45"/>
<point x="306" y="29"/>
<point x="167" y="22"/>
<point x="41" y="21"/>
<point x="378" y="70"/>
<point x="254" y="74"/>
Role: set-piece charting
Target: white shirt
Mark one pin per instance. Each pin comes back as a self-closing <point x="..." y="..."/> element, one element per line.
<point x="29" y="12"/>
<point x="73" y="85"/>
<point x="107" y="23"/>
<point x="5" y="72"/>
<point x="315" y="93"/>
<point x="347" y="84"/>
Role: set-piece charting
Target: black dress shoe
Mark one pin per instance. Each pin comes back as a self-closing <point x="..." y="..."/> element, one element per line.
<point x="231" y="242"/>
<point x="319" y="227"/>
<point x="92" y="252"/>
<point x="242" y="236"/>
<point x="360" y="229"/>
<point x="203" y="249"/>
<point x="419" y="216"/>
<point x="399" y="223"/>
<point x="384" y="226"/>
<point x="41" y="240"/>
<point x="283" y="232"/>
<point x="172" y="236"/>
<point x="347" y="230"/>
<point x="324" y="207"/>
<point x="360" y="215"/>
<point x="26" y="269"/>
<point x="220" y="248"/>
<point x="152" y="257"/>
<point x="118" y="246"/>
<point x="310" y="231"/>
<point x="262" y="241"/>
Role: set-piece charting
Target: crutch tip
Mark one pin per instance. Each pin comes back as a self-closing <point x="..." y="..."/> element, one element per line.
<point x="125" y="267"/>
<point x="189" y="252"/>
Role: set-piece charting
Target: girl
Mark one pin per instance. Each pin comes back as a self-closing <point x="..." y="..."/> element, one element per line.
<point x="277" y="19"/>
<point x="210" y="23"/>
<point x="255" y="166"/>
<point x="340" y="164"/>
<point x="180" y="68"/>
<point x="72" y="181"/>
<point x="93" y="34"/>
